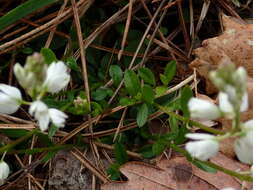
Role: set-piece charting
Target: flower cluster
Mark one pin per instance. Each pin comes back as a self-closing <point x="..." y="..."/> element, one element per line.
<point x="233" y="99"/>
<point x="37" y="78"/>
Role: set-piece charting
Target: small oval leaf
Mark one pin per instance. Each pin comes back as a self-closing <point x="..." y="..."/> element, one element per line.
<point x="132" y="82"/>
<point x="116" y="74"/>
<point x="142" y="115"/>
<point x="148" y="94"/>
<point x="147" y="75"/>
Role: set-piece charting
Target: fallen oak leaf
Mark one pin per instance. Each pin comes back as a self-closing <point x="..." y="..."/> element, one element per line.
<point x="177" y="174"/>
<point x="234" y="45"/>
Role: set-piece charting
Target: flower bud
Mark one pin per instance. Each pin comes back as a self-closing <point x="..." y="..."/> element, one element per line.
<point x="203" y="109"/>
<point x="240" y="76"/>
<point x="217" y="81"/>
<point x="244" y="145"/>
<point x="205" y="146"/>
<point x="225" y="105"/>
<point x="26" y="79"/>
<point x="57" y="77"/>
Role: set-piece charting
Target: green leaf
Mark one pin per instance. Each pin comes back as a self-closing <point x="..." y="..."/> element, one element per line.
<point x="96" y="109"/>
<point x="48" y="55"/>
<point x="48" y="156"/>
<point x="174" y="126"/>
<point x="164" y="79"/>
<point x="14" y="133"/>
<point x="148" y="94"/>
<point x="186" y="94"/>
<point x="147" y="151"/>
<point x="22" y="10"/>
<point x="204" y="167"/>
<point x="27" y="50"/>
<point x="169" y="73"/>
<point x="181" y="134"/>
<point x="116" y="74"/>
<point x="72" y="64"/>
<point x="160" y="90"/>
<point x="113" y="171"/>
<point x="126" y="101"/>
<point x="44" y="139"/>
<point x="52" y="130"/>
<point x="147" y="75"/>
<point x="120" y="153"/>
<point x="142" y="115"/>
<point x="99" y="94"/>
<point x="132" y="82"/>
<point x="159" y="146"/>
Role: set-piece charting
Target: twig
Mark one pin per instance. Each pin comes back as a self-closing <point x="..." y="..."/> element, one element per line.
<point x="129" y="14"/>
<point x="89" y="165"/>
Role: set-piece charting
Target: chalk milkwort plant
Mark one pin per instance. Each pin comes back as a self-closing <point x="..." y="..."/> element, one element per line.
<point x="43" y="74"/>
<point x="233" y="99"/>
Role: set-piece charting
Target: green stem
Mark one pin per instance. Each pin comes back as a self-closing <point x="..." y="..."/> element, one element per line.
<point x="187" y="120"/>
<point x="212" y="165"/>
<point x="8" y="147"/>
<point x="2" y="159"/>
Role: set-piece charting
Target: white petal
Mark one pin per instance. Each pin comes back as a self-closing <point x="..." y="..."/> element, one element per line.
<point x="19" y="72"/>
<point x="4" y="170"/>
<point x="241" y="75"/>
<point x="58" y="117"/>
<point x="57" y="77"/>
<point x="11" y="91"/>
<point x="228" y="188"/>
<point x="199" y="136"/>
<point x="248" y="124"/>
<point x="251" y="171"/>
<point x="43" y="122"/>
<point x="243" y="151"/>
<point x="40" y="111"/>
<point x="202" y="109"/>
<point x="9" y="99"/>
<point x="231" y="92"/>
<point x="225" y="105"/>
<point x="203" y="149"/>
<point x="245" y="102"/>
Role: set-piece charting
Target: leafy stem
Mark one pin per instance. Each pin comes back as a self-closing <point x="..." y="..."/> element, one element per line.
<point x="187" y="120"/>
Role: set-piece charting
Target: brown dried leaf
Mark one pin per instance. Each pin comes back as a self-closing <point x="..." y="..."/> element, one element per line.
<point x="234" y="45"/>
<point x="177" y="174"/>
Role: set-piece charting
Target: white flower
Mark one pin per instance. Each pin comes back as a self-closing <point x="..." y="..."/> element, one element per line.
<point x="245" y="102"/>
<point x="243" y="151"/>
<point x="205" y="146"/>
<point x="4" y="172"/>
<point x="240" y="75"/>
<point x="228" y="188"/>
<point x="57" y="77"/>
<point x="44" y="115"/>
<point x="203" y="109"/>
<point x="57" y="117"/>
<point x="231" y="92"/>
<point x="225" y="106"/>
<point x="9" y="99"/>
<point x="40" y="111"/>
<point x="244" y="145"/>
